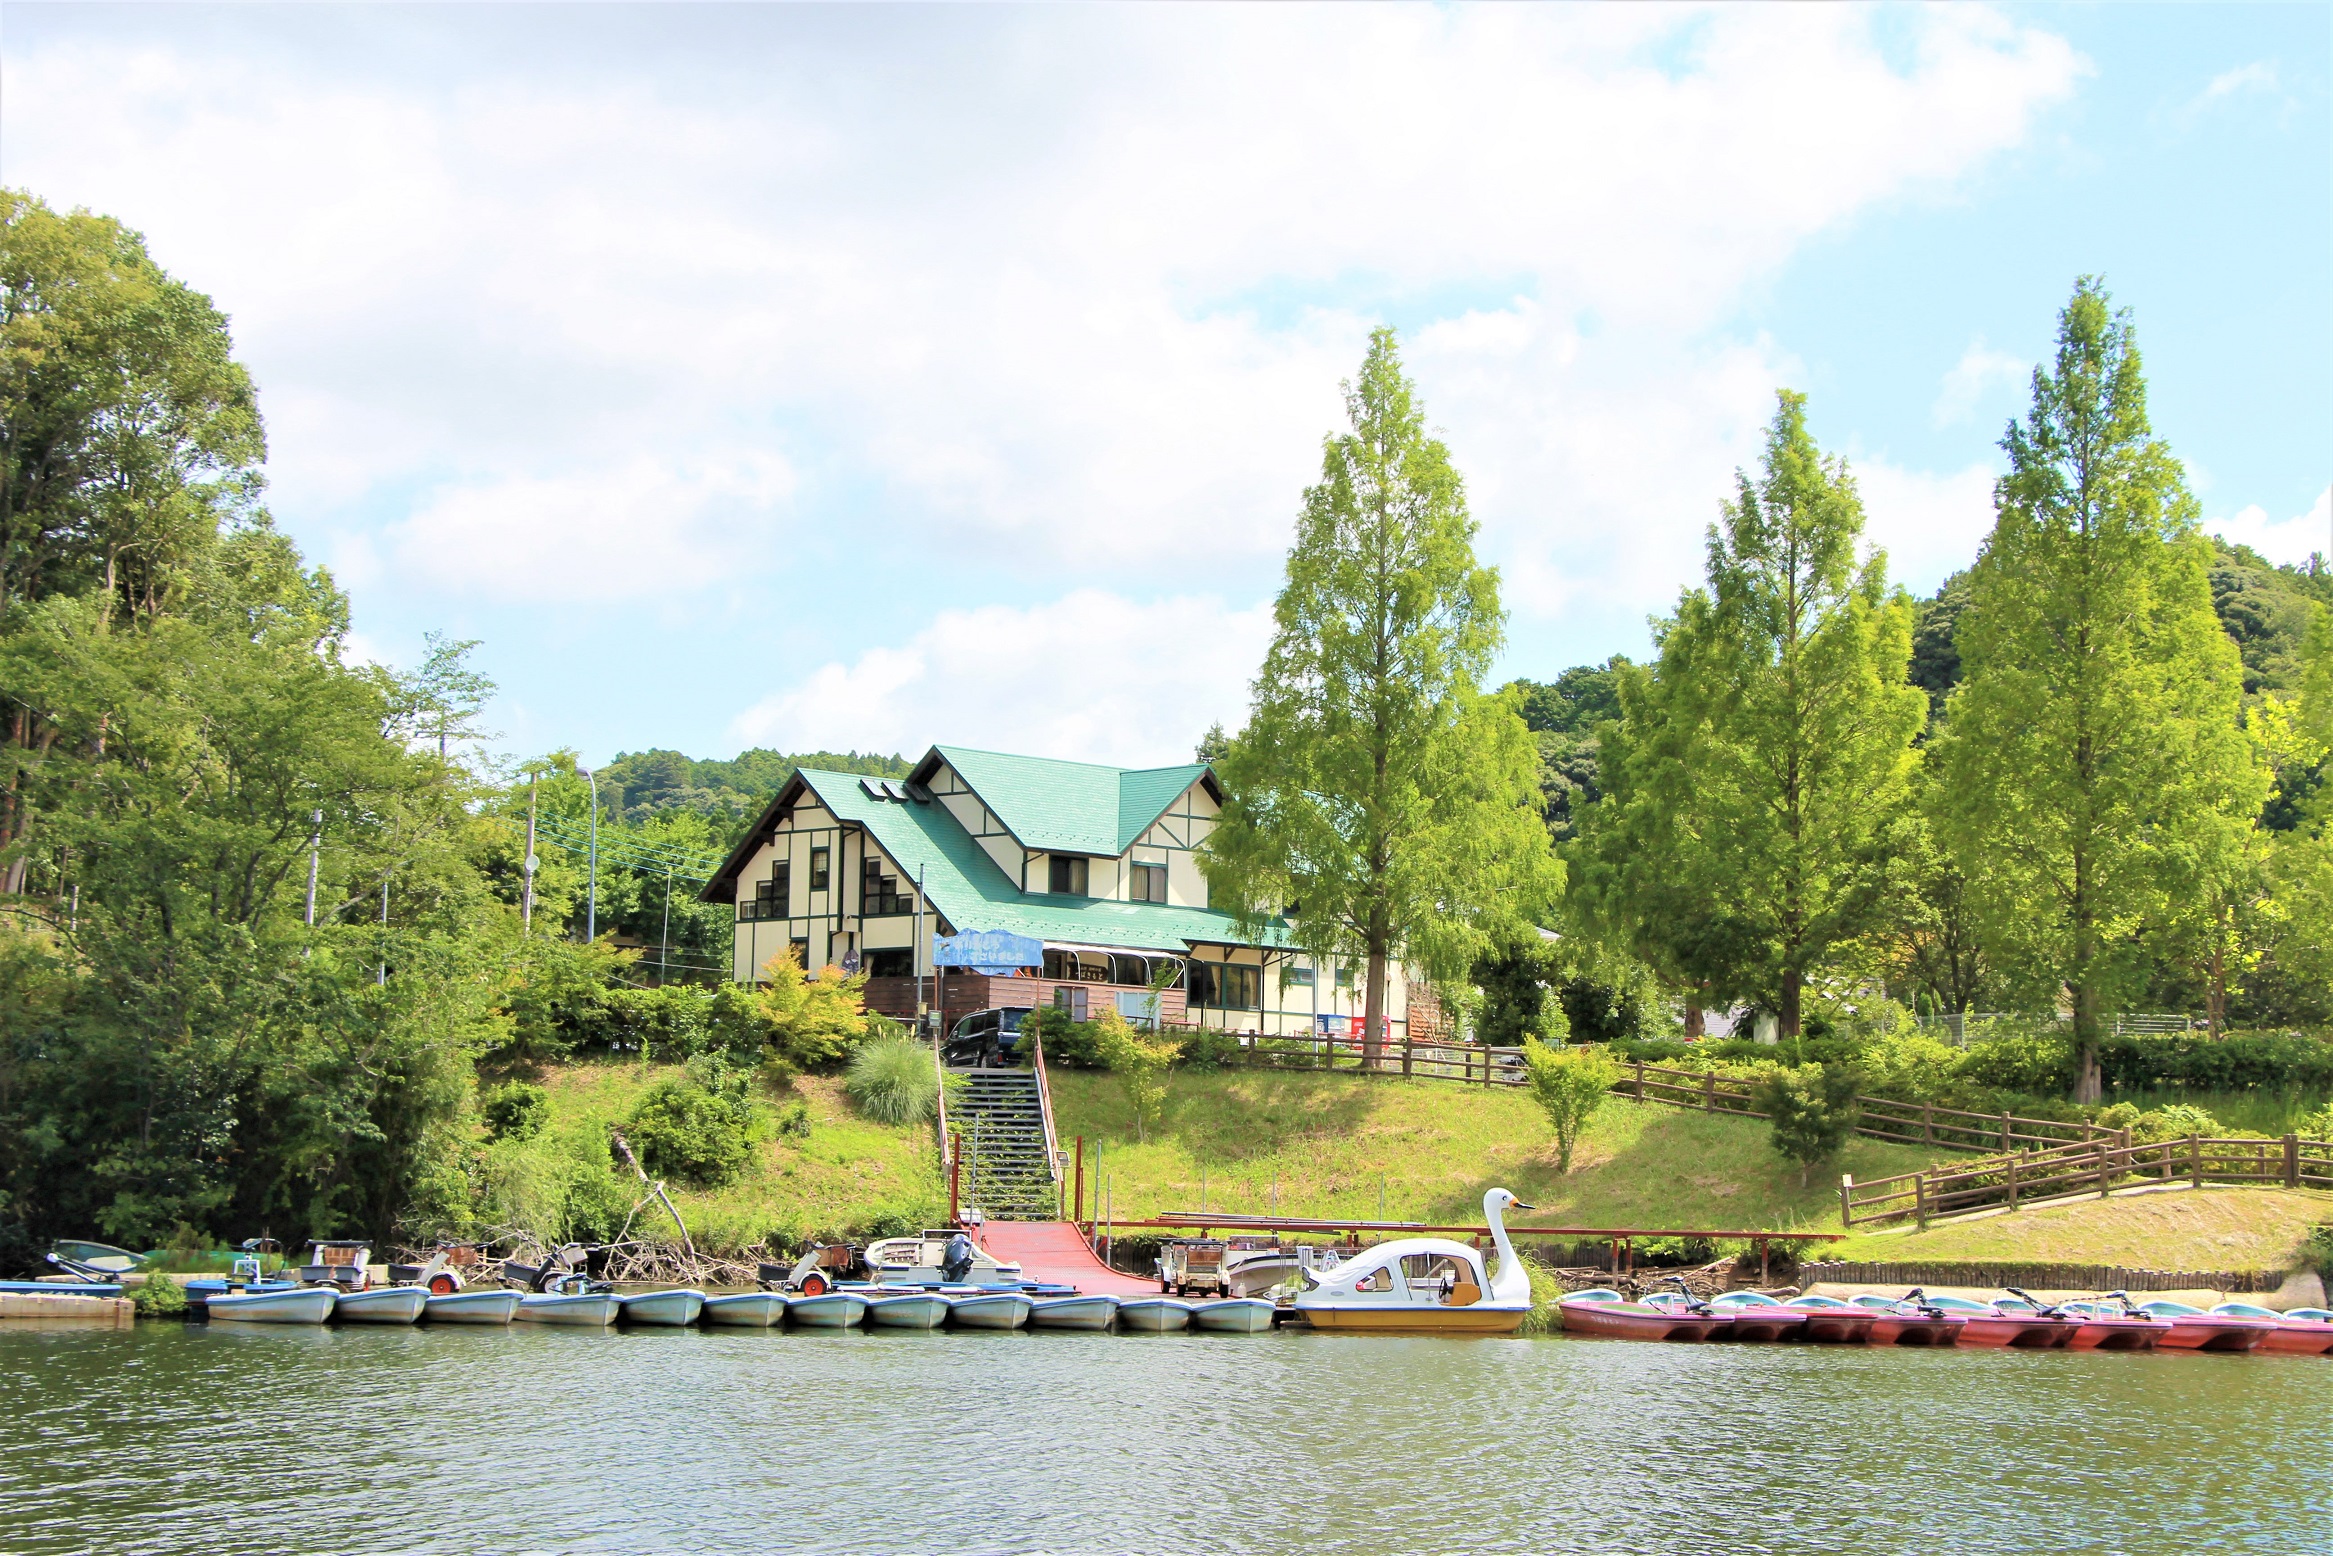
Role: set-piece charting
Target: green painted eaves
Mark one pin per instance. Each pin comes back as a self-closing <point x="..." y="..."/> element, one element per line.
<point x="1070" y="807"/>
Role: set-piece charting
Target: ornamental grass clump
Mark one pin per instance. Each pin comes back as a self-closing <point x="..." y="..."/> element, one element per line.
<point x="892" y="1081"/>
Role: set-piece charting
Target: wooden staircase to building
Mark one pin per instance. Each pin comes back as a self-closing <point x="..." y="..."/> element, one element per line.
<point x="1005" y="1154"/>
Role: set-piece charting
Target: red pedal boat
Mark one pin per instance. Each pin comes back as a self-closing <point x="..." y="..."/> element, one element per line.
<point x="1830" y="1321"/>
<point x="2305" y="1331"/>
<point x="1613" y="1316"/>
<point x="2192" y="1329"/>
<point x="1910" y="1320"/>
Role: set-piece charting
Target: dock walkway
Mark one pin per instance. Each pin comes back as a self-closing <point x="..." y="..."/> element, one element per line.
<point x="1056" y="1251"/>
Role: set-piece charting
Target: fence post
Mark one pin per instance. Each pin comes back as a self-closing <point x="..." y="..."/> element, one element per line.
<point x="1409" y="1048"/>
<point x="1920" y="1198"/>
<point x="2102" y="1168"/>
<point x="1846" y="1207"/>
<point x="1709" y="1091"/>
<point x="1488" y="1064"/>
<point x="2012" y="1182"/>
<point x="1928" y="1122"/>
<point x="1640" y="1080"/>
<point x="2292" y="1161"/>
<point x="2195" y="1161"/>
<point x="2004" y="1133"/>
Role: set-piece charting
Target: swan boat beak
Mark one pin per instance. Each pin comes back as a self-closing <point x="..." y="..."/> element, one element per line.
<point x="1519" y="1205"/>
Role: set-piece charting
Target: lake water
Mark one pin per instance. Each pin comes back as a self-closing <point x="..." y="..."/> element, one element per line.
<point x="191" y="1438"/>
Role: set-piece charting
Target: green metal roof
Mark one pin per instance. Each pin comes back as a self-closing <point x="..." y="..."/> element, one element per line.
<point x="1070" y="807"/>
<point x="966" y="885"/>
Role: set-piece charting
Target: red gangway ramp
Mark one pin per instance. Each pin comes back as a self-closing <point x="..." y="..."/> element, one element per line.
<point x="1056" y="1252"/>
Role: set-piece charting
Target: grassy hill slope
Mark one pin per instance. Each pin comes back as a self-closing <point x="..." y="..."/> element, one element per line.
<point x="2201" y="1229"/>
<point x="1334" y="1143"/>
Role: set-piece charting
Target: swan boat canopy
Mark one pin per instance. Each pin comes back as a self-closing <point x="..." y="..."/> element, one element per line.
<point x="1424" y="1285"/>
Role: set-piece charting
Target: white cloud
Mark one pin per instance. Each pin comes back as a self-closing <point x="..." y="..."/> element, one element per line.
<point x="1930" y="525"/>
<point x="2259" y="76"/>
<point x="1979" y="370"/>
<point x="637" y="530"/>
<point x="1008" y="273"/>
<point x="1089" y="677"/>
<point x="2281" y="540"/>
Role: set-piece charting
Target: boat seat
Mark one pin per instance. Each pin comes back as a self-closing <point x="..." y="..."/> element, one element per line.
<point x="1465" y="1294"/>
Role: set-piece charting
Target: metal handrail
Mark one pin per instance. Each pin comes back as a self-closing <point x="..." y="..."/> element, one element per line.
<point x="1044" y="1102"/>
<point x="940" y="1108"/>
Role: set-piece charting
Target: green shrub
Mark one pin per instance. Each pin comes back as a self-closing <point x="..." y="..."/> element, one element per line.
<point x="1813" y="1109"/>
<point x="2039" y="1063"/>
<point x="792" y="1120"/>
<point x="689" y="1133"/>
<point x="1066" y="1042"/>
<point x="1207" y="1050"/>
<point x="159" y="1297"/>
<point x="2319" y="1250"/>
<point x="893" y="1081"/>
<point x="2175" y="1122"/>
<point x="1569" y="1084"/>
<point x="515" y="1110"/>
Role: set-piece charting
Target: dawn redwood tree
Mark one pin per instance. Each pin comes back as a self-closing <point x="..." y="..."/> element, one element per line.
<point x="1760" y="762"/>
<point x="2094" y="747"/>
<point x="1376" y="790"/>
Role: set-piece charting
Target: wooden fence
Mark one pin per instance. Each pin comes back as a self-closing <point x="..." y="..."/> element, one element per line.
<point x="2084" y="1167"/>
<point x="1463" y="1062"/>
<point x="1909" y="1123"/>
<point x="1987" y="1276"/>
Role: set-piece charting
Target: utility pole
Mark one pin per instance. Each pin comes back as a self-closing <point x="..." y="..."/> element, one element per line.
<point x="315" y="845"/>
<point x="526" y="912"/>
<point x="664" y="947"/>
<point x="591" y="897"/>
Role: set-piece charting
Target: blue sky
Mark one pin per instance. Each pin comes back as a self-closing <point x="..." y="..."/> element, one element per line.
<point x="874" y="376"/>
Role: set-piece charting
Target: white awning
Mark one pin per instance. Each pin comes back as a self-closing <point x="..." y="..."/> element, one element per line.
<point x="1111" y="950"/>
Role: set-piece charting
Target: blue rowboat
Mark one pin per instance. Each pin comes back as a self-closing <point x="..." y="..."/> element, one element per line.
<point x="472" y="1307"/>
<point x="1095" y="1312"/>
<point x="1233" y="1315"/>
<point x="1154" y="1315"/>
<point x="827" y="1310"/>
<point x="746" y="1310"/>
<point x="991" y="1310"/>
<point x="908" y="1310"/>
<point x="381" y="1305"/>
<point x="274" y="1304"/>
<point x="591" y="1309"/>
<point x="667" y="1309"/>
<point x="60" y="1288"/>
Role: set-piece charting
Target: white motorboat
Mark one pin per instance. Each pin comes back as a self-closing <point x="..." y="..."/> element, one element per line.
<point x="1424" y="1285"/>
<point x="1233" y="1315"/>
<point x="921" y="1260"/>
<point x="1099" y="1311"/>
<point x="273" y="1304"/>
<point x="827" y="1309"/>
<point x="746" y="1309"/>
<point x="591" y="1309"/>
<point x="1154" y="1315"/>
<point x="907" y="1310"/>
<point x="381" y="1305"/>
<point x="471" y="1307"/>
<point x="666" y="1309"/>
<point x="990" y="1310"/>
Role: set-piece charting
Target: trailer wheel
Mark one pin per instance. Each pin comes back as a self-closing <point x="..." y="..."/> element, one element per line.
<point x="441" y="1283"/>
<point x="814" y="1284"/>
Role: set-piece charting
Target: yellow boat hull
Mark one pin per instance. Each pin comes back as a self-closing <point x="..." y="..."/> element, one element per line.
<point x="1431" y="1320"/>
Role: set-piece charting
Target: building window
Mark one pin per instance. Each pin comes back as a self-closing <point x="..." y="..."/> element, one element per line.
<point x="1072" y="1002"/>
<point x="818" y="870"/>
<point x="879" y="893"/>
<point x="1239" y="986"/>
<point x="1066" y="875"/>
<point x="1345" y="976"/>
<point x="1149" y="884"/>
<point x="1300" y="974"/>
<point x="895" y="963"/>
<point x="770" y="896"/>
<point x="800" y="951"/>
<point x="1199" y="982"/>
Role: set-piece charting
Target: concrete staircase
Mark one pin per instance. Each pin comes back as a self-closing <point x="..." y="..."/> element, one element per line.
<point x="1001" y="1125"/>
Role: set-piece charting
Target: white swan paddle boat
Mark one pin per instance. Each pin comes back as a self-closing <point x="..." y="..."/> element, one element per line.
<point x="1424" y="1285"/>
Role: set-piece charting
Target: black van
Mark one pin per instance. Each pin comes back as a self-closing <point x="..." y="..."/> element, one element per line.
<point x="984" y="1037"/>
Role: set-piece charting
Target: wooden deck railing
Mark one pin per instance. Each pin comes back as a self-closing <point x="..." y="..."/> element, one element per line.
<point x="1909" y="1123"/>
<point x="1417" y="1057"/>
<point x="2093" y="1166"/>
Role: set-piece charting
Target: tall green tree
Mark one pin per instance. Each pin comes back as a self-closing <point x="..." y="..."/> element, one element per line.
<point x="1377" y="793"/>
<point x="1758" y="765"/>
<point x="2094" y="744"/>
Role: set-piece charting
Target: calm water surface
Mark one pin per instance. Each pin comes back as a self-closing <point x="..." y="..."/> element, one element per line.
<point x="189" y="1438"/>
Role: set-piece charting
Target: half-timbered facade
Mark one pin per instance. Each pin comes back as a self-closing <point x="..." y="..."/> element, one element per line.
<point x="1100" y="864"/>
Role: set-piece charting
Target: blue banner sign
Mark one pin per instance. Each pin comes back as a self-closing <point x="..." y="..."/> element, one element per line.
<point x="993" y="951"/>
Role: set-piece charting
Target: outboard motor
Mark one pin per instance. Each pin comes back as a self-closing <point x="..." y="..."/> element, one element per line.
<point x="956" y="1263"/>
